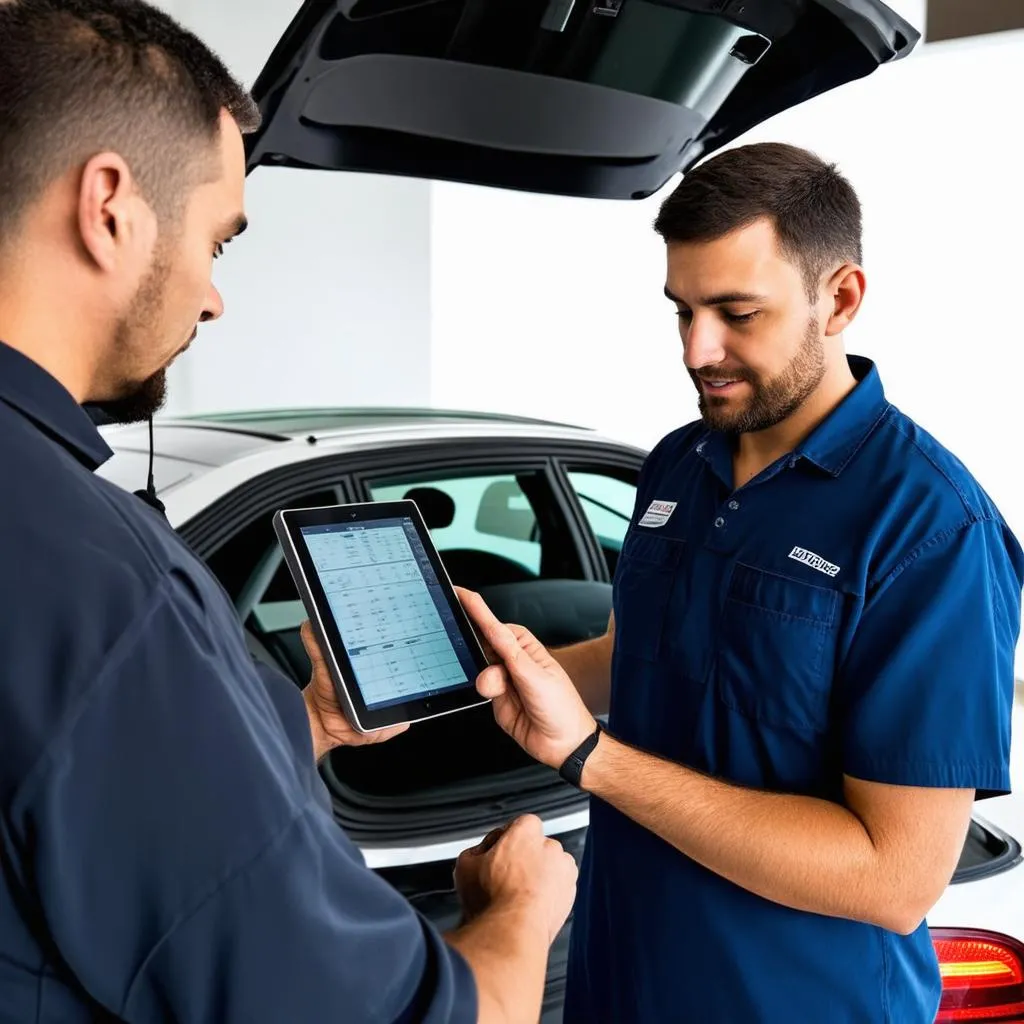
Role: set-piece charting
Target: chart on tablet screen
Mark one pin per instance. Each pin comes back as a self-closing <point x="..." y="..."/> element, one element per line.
<point x="386" y="615"/>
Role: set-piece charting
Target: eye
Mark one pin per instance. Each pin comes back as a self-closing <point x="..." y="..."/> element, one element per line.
<point x="684" y="315"/>
<point x="740" y="318"/>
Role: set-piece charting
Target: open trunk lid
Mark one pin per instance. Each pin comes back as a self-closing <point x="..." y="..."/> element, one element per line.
<point x="599" y="98"/>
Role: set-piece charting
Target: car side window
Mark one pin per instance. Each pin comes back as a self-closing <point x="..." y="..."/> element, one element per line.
<point x="607" y="501"/>
<point x="482" y="519"/>
<point x="489" y="528"/>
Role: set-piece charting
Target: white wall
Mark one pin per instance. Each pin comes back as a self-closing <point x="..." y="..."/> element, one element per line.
<point x="328" y="292"/>
<point x="327" y="299"/>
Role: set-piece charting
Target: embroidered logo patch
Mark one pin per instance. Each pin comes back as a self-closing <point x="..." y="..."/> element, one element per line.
<point x="814" y="561"/>
<point x="659" y="513"/>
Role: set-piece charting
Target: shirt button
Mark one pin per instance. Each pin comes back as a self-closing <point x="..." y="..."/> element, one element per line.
<point x="734" y="505"/>
<point x="719" y="521"/>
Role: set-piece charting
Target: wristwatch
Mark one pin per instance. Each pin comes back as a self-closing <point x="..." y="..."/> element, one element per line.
<point x="572" y="767"/>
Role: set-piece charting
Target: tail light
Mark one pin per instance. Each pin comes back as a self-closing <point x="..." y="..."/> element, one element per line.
<point x="982" y="976"/>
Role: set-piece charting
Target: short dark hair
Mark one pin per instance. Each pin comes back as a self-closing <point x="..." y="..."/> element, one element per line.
<point x="80" y="77"/>
<point x="814" y="209"/>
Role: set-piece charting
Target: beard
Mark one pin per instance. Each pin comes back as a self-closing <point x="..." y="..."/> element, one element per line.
<point x="137" y="401"/>
<point x="772" y="400"/>
<point x="140" y="403"/>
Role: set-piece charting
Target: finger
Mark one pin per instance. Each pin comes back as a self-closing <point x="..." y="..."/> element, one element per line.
<point x="490" y="839"/>
<point x="390" y="734"/>
<point x="528" y="824"/>
<point x="495" y="632"/>
<point x="309" y="642"/>
<point x="492" y="682"/>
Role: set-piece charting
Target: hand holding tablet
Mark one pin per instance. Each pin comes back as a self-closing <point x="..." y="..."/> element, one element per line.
<point x="398" y="646"/>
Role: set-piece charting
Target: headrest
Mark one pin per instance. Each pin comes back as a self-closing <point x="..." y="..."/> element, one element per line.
<point x="437" y="508"/>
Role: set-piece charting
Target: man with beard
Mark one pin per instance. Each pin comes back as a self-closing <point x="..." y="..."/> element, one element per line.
<point x="167" y="849"/>
<point x="810" y="658"/>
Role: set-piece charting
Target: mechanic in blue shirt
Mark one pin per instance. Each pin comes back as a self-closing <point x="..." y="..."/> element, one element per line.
<point x="810" y="658"/>
<point x="167" y="850"/>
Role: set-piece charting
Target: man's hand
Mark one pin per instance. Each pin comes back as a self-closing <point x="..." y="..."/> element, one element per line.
<point x="327" y="722"/>
<point x="518" y="867"/>
<point x="535" y="702"/>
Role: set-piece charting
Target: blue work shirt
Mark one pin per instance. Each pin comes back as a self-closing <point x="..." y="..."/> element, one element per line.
<point x="167" y="848"/>
<point x="853" y="609"/>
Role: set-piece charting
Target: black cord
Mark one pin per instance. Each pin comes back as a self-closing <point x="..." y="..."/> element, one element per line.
<point x="150" y="484"/>
<point x="149" y="494"/>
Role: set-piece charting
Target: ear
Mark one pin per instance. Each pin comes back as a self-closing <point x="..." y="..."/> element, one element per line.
<point x="845" y="293"/>
<point x="115" y="224"/>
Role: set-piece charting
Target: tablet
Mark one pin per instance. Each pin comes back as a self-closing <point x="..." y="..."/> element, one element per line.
<point x="397" y="643"/>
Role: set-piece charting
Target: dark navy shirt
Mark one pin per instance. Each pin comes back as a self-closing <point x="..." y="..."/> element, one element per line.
<point x="853" y="609"/>
<point x="166" y="844"/>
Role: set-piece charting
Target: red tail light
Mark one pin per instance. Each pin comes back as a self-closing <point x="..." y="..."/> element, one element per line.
<point x="982" y="976"/>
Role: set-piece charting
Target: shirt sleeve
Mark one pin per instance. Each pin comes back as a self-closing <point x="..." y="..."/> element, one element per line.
<point x="926" y="690"/>
<point x="185" y="864"/>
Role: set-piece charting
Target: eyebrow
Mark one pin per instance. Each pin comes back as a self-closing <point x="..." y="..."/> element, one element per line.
<point x="719" y="300"/>
<point x="234" y="227"/>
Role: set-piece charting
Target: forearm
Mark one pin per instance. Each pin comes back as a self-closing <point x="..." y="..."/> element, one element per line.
<point x="507" y="950"/>
<point x="589" y="666"/>
<point x="802" y="852"/>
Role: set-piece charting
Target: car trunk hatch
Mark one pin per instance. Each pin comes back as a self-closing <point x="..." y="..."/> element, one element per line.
<point x="599" y="98"/>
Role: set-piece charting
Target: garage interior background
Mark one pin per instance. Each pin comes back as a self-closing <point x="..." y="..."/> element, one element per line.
<point x="366" y="290"/>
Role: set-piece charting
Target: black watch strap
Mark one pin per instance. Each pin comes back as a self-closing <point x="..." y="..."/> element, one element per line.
<point x="572" y="767"/>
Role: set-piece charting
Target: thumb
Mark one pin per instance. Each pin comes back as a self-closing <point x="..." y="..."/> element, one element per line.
<point x="493" y="682"/>
<point x="310" y="643"/>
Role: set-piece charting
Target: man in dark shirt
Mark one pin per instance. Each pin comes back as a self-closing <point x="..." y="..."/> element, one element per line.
<point x="167" y="848"/>
<point x="810" y="662"/>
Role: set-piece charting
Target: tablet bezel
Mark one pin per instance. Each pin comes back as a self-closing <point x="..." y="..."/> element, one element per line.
<point x="416" y="709"/>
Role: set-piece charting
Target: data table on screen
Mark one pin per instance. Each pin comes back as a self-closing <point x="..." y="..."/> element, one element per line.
<point x="386" y="615"/>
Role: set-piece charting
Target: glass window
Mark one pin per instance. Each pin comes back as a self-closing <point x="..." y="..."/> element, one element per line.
<point x="473" y="517"/>
<point x="490" y="528"/>
<point x="607" y="502"/>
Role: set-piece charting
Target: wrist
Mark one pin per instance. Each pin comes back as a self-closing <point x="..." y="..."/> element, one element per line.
<point x="523" y="913"/>
<point x="584" y="730"/>
<point x="595" y="766"/>
<point x="322" y="744"/>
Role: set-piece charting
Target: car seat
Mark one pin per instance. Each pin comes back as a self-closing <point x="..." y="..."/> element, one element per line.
<point x="467" y="567"/>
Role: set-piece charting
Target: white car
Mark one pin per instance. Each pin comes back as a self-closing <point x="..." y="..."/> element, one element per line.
<point x="533" y="515"/>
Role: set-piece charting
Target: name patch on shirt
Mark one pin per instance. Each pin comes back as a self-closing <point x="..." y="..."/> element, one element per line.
<point x="659" y="513"/>
<point x="814" y="561"/>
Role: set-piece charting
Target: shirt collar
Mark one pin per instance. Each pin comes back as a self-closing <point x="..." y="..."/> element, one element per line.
<point x="835" y="441"/>
<point x="29" y="389"/>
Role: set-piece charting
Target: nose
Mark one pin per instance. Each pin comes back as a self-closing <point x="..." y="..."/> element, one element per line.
<point x="703" y="342"/>
<point x="213" y="308"/>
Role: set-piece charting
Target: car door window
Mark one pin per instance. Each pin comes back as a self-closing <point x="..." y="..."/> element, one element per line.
<point x="489" y="528"/>
<point x="607" y="502"/>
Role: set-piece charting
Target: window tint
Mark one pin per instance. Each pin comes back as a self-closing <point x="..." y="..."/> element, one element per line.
<point x="607" y="502"/>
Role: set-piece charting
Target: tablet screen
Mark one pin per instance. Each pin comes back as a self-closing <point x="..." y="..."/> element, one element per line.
<point x="399" y="633"/>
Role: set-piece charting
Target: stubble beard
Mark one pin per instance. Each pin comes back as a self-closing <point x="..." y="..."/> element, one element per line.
<point x="771" y="401"/>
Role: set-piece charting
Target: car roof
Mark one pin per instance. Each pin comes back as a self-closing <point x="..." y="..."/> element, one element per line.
<point x="216" y="439"/>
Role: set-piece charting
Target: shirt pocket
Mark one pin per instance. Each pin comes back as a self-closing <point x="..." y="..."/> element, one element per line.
<point x="643" y="586"/>
<point x="776" y="649"/>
